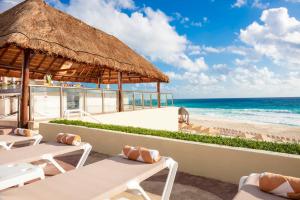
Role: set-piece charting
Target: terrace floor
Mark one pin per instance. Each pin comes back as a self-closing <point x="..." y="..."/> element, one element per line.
<point x="186" y="186"/>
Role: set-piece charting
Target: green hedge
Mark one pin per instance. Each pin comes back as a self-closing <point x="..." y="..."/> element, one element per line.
<point x="291" y="148"/>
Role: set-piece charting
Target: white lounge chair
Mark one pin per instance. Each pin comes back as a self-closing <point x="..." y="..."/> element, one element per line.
<point x="101" y="180"/>
<point x="248" y="189"/>
<point x="7" y="141"/>
<point x="45" y="151"/>
<point x="17" y="175"/>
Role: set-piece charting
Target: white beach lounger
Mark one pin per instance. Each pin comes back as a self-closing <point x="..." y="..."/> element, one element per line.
<point x="101" y="180"/>
<point x="45" y="151"/>
<point x="17" y="175"/>
<point x="7" y="141"/>
<point x="248" y="189"/>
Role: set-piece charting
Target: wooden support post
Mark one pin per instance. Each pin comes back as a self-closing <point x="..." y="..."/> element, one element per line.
<point x="158" y="94"/>
<point x="166" y="100"/>
<point x="99" y="83"/>
<point x="84" y="101"/>
<point x="25" y="90"/>
<point x="120" y="99"/>
<point x="31" y="102"/>
<point x="133" y="101"/>
<point x="61" y="103"/>
<point x="102" y="99"/>
<point x="143" y="103"/>
<point x="172" y="100"/>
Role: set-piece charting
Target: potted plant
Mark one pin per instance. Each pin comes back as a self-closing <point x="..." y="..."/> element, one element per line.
<point x="48" y="79"/>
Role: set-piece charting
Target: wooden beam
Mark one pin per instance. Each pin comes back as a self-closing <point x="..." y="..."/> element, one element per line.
<point x="98" y="83"/>
<point x="3" y="52"/>
<point x="100" y="76"/>
<point x="32" y="55"/>
<point x="41" y="62"/>
<point x="158" y="94"/>
<point x="104" y="79"/>
<point x="24" y="115"/>
<point x="51" y="65"/>
<point x="87" y="74"/>
<point x="109" y="75"/>
<point x="15" y="58"/>
<point x="83" y="69"/>
<point x="120" y="88"/>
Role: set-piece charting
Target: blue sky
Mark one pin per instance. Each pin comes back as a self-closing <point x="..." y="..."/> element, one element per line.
<point x="209" y="48"/>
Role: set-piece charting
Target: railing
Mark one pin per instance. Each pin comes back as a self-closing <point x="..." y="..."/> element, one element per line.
<point x="48" y="102"/>
<point x="9" y="104"/>
<point x="82" y="114"/>
<point x="135" y="100"/>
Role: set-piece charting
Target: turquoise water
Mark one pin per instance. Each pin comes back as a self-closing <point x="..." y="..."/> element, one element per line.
<point x="265" y="110"/>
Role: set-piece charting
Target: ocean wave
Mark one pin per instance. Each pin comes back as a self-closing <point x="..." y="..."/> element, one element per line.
<point x="285" y="117"/>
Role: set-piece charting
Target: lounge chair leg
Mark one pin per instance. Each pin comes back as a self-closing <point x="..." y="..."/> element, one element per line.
<point x="6" y="146"/>
<point x="86" y="151"/>
<point x="172" y="166"/>
<point x="37" y="139"/>
<point x="21" y="185"/>
<point x="51" y="160"/>
<point x="242" y="181"/>
<point x="135" y="186"/>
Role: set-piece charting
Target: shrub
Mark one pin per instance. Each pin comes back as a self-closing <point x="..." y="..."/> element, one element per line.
<point x="291" y="148"/>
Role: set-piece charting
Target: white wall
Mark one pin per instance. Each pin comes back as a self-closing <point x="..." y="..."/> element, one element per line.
<point x="7" y="106"/>
<point x="212" y="161"/>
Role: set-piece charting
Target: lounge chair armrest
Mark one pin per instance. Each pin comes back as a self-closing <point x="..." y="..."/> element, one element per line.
<point x="172" y="165"/>
<point x="86" y="147"/>
<point x="243" y="180"/>
<point x="38" y="138"/>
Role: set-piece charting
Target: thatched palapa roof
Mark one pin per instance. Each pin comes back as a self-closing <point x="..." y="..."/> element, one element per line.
<point x="67" y="48"/>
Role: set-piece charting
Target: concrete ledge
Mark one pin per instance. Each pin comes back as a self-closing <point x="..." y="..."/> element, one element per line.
<point x="212" y="161"/>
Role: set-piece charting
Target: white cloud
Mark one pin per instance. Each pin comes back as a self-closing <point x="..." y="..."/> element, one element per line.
<point x="260" y="4"/>
<point x="210" y="49"/>
<point x="194" y="79"/>
<point x="187" y="22"/>
<point x="252" y="81"/>
<point x="194" y="50"/>
<point x="253" y="77"/>
<point x="293" y="1"/>
<point x="239" y="3"/>
<point x="219" y="66"/>
<point x="127" y="4"/>
<point x="197" y="24"/>
<point x="262" y="82"/>
<point x="6" y="4"/>
<point x="278" y="38"/>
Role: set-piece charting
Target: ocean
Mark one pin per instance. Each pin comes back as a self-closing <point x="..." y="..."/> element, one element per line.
<point x="285" y="110"/>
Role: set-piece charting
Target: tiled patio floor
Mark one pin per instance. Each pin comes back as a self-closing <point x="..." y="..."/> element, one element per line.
<point x="186" y="187"/>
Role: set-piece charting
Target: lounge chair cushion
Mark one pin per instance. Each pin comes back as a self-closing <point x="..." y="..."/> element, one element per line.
<point x="251" y="191"/>
<point x="34" y="153"/>
<point x="23" y="132"/>
<point x="141" y="154"/>
<point x="69" y="139"/>
<point x="280" y="185"/>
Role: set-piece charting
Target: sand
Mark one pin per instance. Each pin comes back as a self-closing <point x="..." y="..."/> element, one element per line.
<point x="247" y="126"/>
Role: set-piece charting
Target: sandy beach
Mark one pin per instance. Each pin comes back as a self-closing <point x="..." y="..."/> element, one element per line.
<point x="246" y="126"/>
